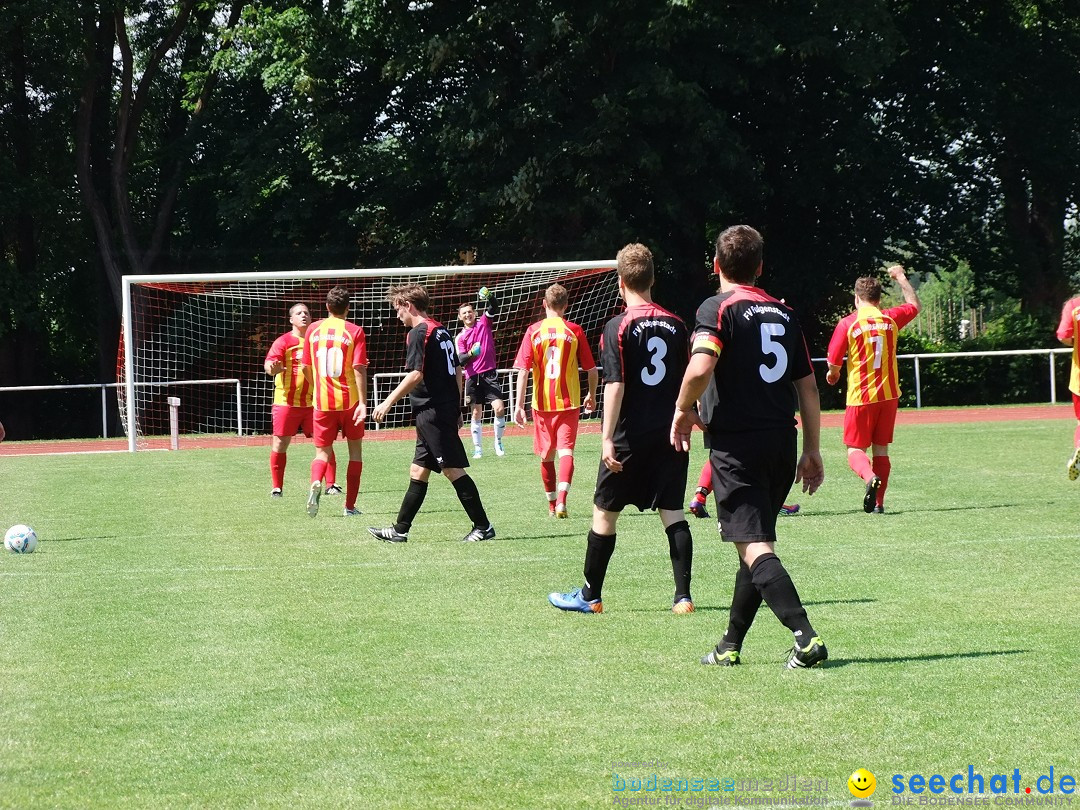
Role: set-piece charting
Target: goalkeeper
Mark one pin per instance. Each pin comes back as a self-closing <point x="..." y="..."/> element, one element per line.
<point x="476" y="354"/>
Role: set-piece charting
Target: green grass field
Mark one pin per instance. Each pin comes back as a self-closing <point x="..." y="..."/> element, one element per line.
<point x="179" y="640"/>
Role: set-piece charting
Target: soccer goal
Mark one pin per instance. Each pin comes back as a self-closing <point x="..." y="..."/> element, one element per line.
<point x="202" y="338"/>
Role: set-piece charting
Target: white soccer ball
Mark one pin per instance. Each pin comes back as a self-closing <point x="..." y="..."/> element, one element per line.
<point x="20" y="539"/>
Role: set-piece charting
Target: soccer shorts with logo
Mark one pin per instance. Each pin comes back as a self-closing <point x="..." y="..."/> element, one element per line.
<point x="554" y="430"/>
<point x="871" y="423"/>
<point x="653" y="477"/>
<point x="438" y="445"/>
<point x="752" y="475"/>
<point x="329" y="423"/>
<point x="287" y="419"/>
<point x="483" y="388"/>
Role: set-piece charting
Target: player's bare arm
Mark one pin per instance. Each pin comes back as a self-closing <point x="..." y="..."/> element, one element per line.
<point x="412" y="379"/>
<point x="519" y="397"/>
<point x="360" y="414"/>
<point x="308" y="373"/>
<point x="811" y="469"/>
<point x="274" y="367"/>
<point x="590" y="399"/>
<point x="696" y="379"/>
<point x="832" y="376"/>
<point x="896" y="272"/>
<point x="613" y="397"/>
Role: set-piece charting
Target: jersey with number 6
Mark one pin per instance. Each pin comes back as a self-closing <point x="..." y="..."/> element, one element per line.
<point x="430" y="349"/>
<point x="760" y="351"/>
<point x="868" y="337"/>
<point x="646" y="348"/>
<point x="333" y="347"/>
<point x="554" y="348"/>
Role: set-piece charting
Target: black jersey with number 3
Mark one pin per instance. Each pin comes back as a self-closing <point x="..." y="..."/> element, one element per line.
<point x="429" y="349"/>
<point x="760" y="351"/>
<point x="646" y="348"/>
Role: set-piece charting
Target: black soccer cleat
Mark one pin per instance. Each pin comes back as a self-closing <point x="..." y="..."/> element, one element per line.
<point x="388" y="535"/>
<point x="870" y="498"/>
<point x="879" y="510"/>
<point x="809" y="656"/>
<point x="477" y="534"/>
<point x="724" y="655"/>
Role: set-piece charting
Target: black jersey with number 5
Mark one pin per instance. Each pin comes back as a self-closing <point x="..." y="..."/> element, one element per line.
<point x="429" y="349"/>
<point x="760" y="351"/>
<point x="646" y="348"/>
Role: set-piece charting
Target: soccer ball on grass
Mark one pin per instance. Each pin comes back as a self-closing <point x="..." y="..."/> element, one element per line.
<point x="20" y="539"/>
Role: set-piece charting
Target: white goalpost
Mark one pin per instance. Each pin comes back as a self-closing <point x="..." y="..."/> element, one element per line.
<point x="202" y="338"/>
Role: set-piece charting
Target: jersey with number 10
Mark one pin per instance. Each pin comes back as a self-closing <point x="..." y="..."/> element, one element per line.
<point x="868" y="336"/>
<point x="333" y="347"/>
<point x="554" y="348"/>
<point x="646" y="348"/>
<point x="430" y="349"/>
<point x="760" y="351"/>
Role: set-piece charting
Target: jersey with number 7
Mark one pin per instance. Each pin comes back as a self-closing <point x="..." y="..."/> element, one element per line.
<point x="554" y="348"/>
<point x="333" y="347"/>
<point x="868" y="337"/>
<point x="760" y="351"/>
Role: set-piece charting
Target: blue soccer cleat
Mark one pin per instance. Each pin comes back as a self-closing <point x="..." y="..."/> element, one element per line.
<point x="575" y="601"/>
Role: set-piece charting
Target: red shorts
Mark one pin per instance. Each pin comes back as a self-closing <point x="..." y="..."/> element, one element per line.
<point x="871" y="423"/>
<point x="287" y="419"/>
<point x="1076" y="406"/>
<point x="554" y="430"/>
<point x="328" y="423"/>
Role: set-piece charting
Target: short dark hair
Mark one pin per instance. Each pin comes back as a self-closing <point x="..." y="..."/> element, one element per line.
<point x="738" y="252"/>
<point x="298" y="304"/>
<point x="409" y="293"/>
<point x="337" y="301"/>
<point x="868" y="289"/>
<point x="634" y="265"/>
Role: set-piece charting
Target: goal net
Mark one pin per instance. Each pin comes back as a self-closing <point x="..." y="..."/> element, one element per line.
<point x="202" y="339"/>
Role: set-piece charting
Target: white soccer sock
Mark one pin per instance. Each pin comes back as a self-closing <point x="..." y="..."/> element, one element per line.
<point x="500" y="426"/>
<point x="476" y="428"/>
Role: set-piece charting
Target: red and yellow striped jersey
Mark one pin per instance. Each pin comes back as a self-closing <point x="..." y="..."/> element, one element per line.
<point x="1069" y="329"/>
<point x="290" y="386"/>
<point x="333" y="348"/>
<point x="868" y="336"/>
<point x="554" y="348"/>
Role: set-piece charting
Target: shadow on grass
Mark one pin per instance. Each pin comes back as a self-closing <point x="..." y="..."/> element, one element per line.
<point x="979" y="507"/>
<point x="903" y="659"/>
<point x="725" y="608"/>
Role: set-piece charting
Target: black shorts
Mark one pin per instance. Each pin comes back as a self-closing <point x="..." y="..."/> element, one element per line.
<point x="752" y="474"/>
<point x="653" y="477"/>
<point x="483" y="388"/>
<point x="438" y="445"/>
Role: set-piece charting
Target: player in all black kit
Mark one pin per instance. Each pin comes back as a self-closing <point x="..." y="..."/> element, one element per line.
<point x="644" y="352"/>
<point x="753" y="346"/>
<point x="433" y="383"/>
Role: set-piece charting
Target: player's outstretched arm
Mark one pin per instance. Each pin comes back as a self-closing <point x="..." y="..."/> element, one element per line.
<point x="897" y="274"/>
<point x="811" y="469"/>
<point x="412" y="379"/>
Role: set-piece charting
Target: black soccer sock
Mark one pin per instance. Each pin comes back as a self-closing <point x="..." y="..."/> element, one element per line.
<point x="410" y="505"/>
<point x="745" y="601"/>
<point x="776" y="588"/>
<point x="469" y="496"/>
<point x="597" y="555"/>
<point x="681" y="549"/>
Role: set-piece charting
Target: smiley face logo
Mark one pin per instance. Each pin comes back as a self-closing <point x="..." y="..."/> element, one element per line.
<point x="862" y="784"/>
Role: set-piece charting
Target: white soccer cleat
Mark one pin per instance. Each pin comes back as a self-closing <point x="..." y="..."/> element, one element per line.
<point x="313" y="498"/>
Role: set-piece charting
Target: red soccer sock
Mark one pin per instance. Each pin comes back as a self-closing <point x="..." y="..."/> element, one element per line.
<point x="547" y="476"/>
<point x="704" y="480"/>
<point x="277" y="469"/>
<point x="318" y="470"/>
<point x="882" y="468"/>
<point x="566" y="475"/>
<point x="1076" y="436"/>
<point x="331" y="470"/>
<point x="860" y="464"/>
<point x="352" y="483"/>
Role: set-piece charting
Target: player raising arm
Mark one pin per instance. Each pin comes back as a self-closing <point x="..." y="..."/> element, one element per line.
<point x="752" y="346"/>
<point x="476" y="353"/>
